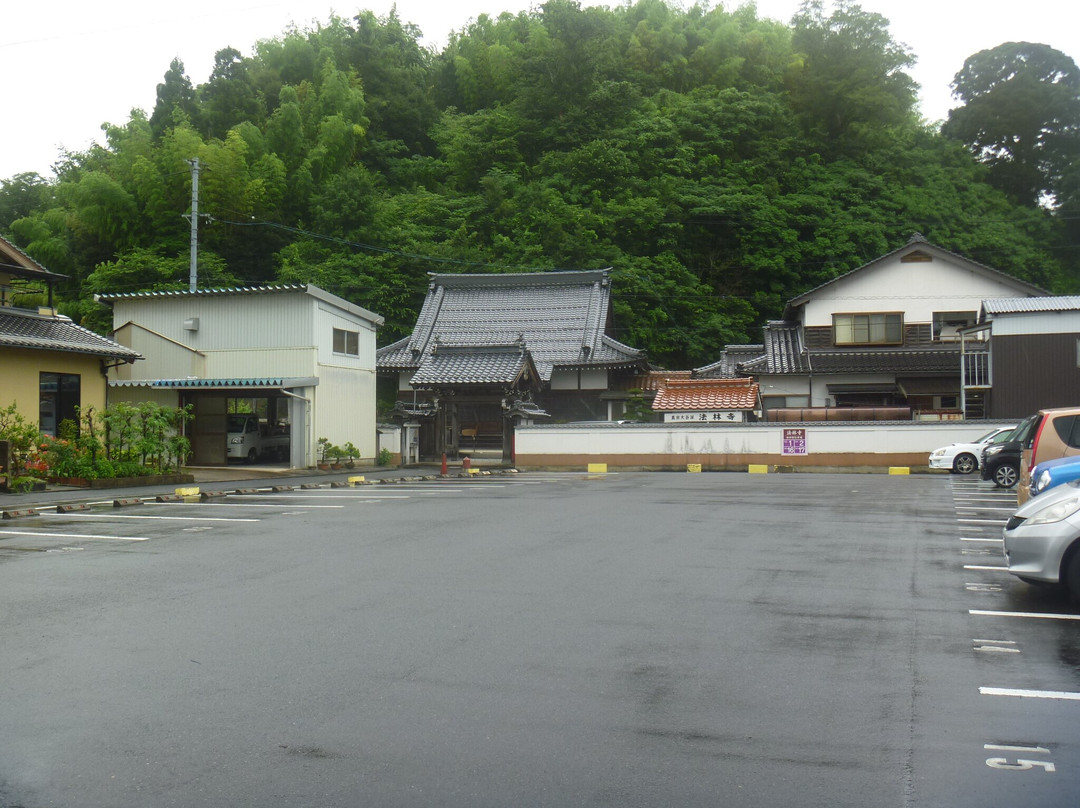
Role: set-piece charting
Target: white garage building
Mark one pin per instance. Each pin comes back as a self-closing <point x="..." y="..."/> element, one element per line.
<point x="296" y="356"/>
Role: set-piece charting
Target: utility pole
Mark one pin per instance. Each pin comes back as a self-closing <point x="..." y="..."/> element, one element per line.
<point x="193" y="270"/>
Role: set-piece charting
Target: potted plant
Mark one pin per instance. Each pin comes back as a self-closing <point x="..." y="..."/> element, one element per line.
<point x="324" y="451"/>
<point x="351" y="452"/>
<point x="336" y="454"/>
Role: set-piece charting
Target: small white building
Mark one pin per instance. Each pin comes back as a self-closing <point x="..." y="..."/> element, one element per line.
<point x="298" y="357"/>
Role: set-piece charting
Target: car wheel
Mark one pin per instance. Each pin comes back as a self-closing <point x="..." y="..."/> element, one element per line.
<point x="1006" y="475"/>
<point x="1072" y="577"/>
<point x="965" y="463"/>
<point x="252" y="456"/>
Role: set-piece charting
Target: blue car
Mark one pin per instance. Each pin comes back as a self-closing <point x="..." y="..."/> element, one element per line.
<point x="1054" y="472"/>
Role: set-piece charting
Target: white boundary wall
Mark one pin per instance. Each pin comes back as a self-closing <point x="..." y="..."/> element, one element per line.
<point x="671" y="445"/>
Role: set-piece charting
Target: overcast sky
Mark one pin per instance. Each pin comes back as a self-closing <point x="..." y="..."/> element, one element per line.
<point x="68" y="66"/>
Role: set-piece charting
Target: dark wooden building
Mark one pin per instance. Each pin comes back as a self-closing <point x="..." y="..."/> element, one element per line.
<point x="1033" y="355"/>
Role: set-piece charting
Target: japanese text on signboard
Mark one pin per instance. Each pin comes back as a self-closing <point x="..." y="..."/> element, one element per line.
<point x="794" y="441"/>
<point x="704" y="417"/>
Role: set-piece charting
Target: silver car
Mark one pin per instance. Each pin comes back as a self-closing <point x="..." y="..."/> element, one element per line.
<point x="1042" y="539"/>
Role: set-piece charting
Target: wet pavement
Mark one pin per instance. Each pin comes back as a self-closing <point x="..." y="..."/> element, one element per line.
<point x="537" y="639"/>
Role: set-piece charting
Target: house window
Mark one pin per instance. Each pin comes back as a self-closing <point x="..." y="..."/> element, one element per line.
<point x="59" y="399"/>
<point x="868" y="329"/>
<point x="346" y="342"/>
<point x="947" y="324"/>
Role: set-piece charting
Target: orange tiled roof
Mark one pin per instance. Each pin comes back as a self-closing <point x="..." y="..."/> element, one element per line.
<point x="706" y="394"/>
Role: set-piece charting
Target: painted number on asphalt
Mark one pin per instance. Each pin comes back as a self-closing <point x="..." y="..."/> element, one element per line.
<point x="1019" y="764"/>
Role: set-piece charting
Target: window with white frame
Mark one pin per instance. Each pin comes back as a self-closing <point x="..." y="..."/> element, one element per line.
<point x="346" y="342"/>
<point x="947" y="324"/>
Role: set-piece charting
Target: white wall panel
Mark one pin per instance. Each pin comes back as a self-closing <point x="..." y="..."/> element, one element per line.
<point x="345" y="409"/>
<point x="918" y="289"/>
<point x="669" y="439"/>
<point x="1040" y="322"/>
<point x="260" y="363"/>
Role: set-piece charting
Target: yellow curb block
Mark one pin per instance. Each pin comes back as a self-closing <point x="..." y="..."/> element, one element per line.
<point x="899" y="470"/>
<point x="355" y="480"/>
<point x="758" y="469"/>
<point x="597" y="468"/>
<point x="187" y="492"/>
<point x="693" y="467"/>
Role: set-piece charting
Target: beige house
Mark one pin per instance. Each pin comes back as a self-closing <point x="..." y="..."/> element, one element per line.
<point x="49" y="366"/>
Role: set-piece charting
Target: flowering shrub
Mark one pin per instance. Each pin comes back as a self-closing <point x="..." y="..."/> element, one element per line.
<point x="125" y="440"/>
<point x="23" y="437"/>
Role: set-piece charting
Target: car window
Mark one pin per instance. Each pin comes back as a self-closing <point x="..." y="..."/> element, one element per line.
<point x="1026" y="431"/>
<point x="1068" y="429"/>
<point x="1002" y="437"/>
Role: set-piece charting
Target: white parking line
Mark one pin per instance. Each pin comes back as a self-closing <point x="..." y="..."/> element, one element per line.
<point x="997" y="567"/>
<point x="1058" y="695"/>
<point x="995" y="646"/>
<point x="135" y="516"/>
<point x="239" y="505"/>
<point x="332" y="496"/>
<point x="984" y="521"/>
<point x="1033" y="615"/>
<point x="993" y="747"/>
<point x="440" y="489"/>
<point x="983" y="508"/>
<point x="70" y="535"/>
<point x="982" y="541"/>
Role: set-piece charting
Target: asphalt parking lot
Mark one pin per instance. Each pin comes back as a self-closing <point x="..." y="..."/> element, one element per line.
<point x="536" y="639"/>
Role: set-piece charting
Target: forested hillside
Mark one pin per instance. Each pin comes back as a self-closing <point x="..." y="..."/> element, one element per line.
<point x="719" y="163"/>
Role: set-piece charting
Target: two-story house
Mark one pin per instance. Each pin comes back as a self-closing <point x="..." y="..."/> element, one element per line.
<point x="886" y="334"/>
<point x="299" y="358"/>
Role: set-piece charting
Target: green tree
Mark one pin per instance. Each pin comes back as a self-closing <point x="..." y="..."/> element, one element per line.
<point x="21" y="195"/>
<point x="1021" y="117"/>
<point x="847" y="77"/>
<point x="229" y="97"/>
<point x="175" y="100"/>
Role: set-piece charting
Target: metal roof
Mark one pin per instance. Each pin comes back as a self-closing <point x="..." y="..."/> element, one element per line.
<point x="237" y="291"/>
<point x="1030" y="305"/>
<point x="214" y="292"/>
<point x="219" y="384"/>
<point x="54" y="332"/>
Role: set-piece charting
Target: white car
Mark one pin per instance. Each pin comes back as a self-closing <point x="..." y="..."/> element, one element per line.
<point x="963" y="458"/>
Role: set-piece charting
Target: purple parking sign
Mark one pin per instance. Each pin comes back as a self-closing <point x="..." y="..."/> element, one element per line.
<point x="794" y="441"/>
